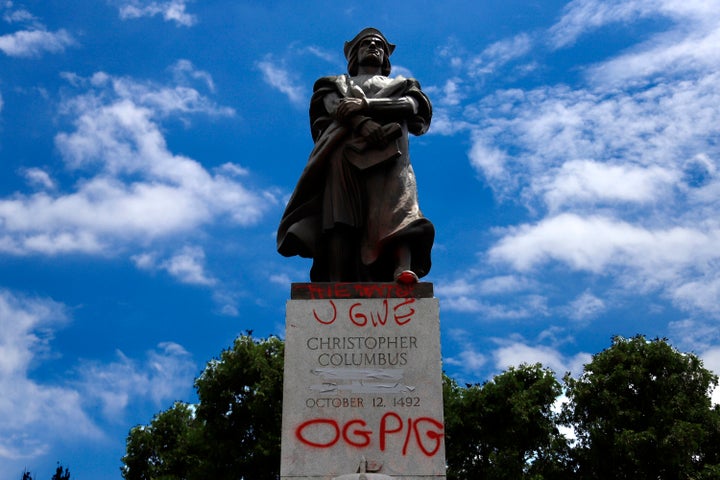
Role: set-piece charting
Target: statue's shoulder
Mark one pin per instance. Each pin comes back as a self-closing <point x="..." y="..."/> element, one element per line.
<point x="407" y="84"/>
<point x="412" y="83"/>
<point x="329" y="82"/>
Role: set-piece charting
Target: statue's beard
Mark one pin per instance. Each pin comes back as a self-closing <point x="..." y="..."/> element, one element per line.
<point x="371" y="61"/>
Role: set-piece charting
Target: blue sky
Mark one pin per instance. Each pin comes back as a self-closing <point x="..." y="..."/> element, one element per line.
<point x="147" y="149"/>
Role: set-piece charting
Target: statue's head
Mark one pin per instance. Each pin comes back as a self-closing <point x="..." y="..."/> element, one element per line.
<point x="352" y="47"/>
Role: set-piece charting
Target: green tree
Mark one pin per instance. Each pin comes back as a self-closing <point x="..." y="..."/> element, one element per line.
<point x="241" y="410"/>
<point x="169" y="448"/>
<point x="232" y="433"/>
<point x="642" y="410"/>
<point x="61" y="474"/>
<point x="506" y="428"/>
<point x="458" y="452"/>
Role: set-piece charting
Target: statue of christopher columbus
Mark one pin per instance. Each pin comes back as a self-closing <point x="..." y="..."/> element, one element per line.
<point x="355" y="209"/>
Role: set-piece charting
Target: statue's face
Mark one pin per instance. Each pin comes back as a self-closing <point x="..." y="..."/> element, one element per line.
<point x="370" y="51"/>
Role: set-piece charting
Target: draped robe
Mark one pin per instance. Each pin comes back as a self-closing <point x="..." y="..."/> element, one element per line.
<point x="349" y="183"/>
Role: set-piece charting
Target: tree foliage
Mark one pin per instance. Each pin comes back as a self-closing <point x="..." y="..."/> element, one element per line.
<point x="60" y="474"/>
<point x="169" y="448"/>
<point x="642" y="410"/>
<point x="241" y="410"/>
<point x="504" y="429"/>
<point x="233" y="432"/>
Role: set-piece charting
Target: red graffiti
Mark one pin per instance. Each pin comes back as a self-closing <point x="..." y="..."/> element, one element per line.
<point x="361" y="316"/>
<point x="433" y="430"/>
<point x="360" y="319"/>
<point x="424" y="433"/>
<point x="323" y="291"/>
<point x="300" y="432"/>
<point x="334" y="315"/>
<point x="365" y="435"/>
<point x="379" y="290"/>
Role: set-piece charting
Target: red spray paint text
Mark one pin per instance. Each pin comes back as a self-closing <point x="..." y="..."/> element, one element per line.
<point x="362" y="316"/>
<point x="323" y="291"/>
<point x="424" y="433"/>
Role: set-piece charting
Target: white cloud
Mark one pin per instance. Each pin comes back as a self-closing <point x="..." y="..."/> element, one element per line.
<point x="164" y="373"/>
<point x="505" y="284"/>
<point x="679" y="260"/>
<point x="227" y="302"/>
<point x="587" y="182"/>
<point x="33" y="43"/>
<point x="455" y="288"/>
<point x="34" y="414"/>
<point x="702" y="293"/>
<point x="479" y="295"/>
<point x="145" y="261"/>
<point x="468" y="359"/>
<point x="451" y="93"/>
<point x="135" y="190"/>
<point x="443" y="122"/>
<point x="596" y="243"/>
<point x="621" y="171"/>
<point x="184" y="70"/>
<point x="282" y="279"/>
<point x="513" y="354"/>
<point x="401" y="71"/>
<point x="39" y="177"/>
<point x="694" y="334"/>
<point x="18" y="16"/>
<point x="522" y="306"/>
<point x="665" y="56"/>
<point x="187" y="265"/>
<point x="656" y="129"/>
<point x="567" y="431"/>
<point x="319" y="52"/>
<point x="711" y="361"/>
<point x="280" y="79"/>
<point x="567" y="137"/>
<point x="162" y="100"/>
<point x="233" y="170"/>
<point x="488" y="159"/>
<point x="171" y="11"/>
<point x="500" y="53"/>
<point x="581" y="16"/>
<point x="585" y="307"/>
<point x="700" y="337"/>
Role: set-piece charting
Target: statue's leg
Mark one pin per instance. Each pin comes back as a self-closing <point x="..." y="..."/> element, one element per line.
<point x="343" y="254"/>
<point x="403" y="271"/>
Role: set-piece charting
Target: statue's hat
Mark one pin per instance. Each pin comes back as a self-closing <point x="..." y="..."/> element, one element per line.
<point x="368" y="32"/>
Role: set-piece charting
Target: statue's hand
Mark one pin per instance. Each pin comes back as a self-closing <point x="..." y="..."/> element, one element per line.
<point x="347" y="107"/>
<point x="373" y="133"/>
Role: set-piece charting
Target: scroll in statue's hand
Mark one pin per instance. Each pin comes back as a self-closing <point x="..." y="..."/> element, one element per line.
<point x="373" y="133"/>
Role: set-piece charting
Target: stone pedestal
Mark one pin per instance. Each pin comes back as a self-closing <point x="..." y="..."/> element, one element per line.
<point x="363" y="383"/>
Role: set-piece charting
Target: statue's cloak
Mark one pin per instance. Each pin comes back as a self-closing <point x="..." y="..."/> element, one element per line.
<point x="348" y="183"/>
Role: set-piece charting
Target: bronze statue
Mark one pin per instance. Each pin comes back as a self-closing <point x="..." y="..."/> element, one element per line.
<point x="354" y="210"/>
